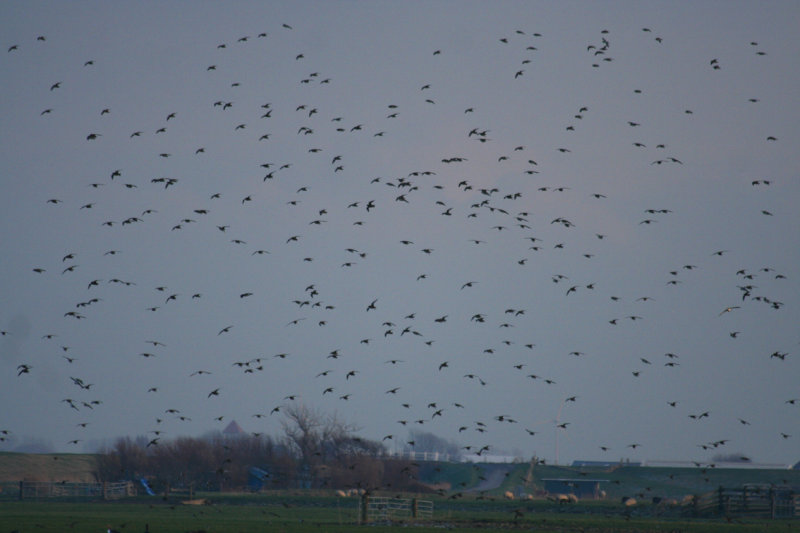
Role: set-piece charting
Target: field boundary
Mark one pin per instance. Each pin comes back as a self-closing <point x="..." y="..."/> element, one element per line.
<point x="765" y="501"/>
<point x="35" y="490"/>
<point x="374" y="509"/>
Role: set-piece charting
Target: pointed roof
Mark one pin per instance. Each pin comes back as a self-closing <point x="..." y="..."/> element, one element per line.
<point x="233" y="429"/>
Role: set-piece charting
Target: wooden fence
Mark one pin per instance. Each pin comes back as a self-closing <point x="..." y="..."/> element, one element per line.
<point x="45" y="489"/>
<point x="767" y="501"/>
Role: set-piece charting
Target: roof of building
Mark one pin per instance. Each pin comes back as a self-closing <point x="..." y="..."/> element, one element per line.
<point x="573" y="480"/>
<point x="233" y="429"/>
<point x="580" y="463"/>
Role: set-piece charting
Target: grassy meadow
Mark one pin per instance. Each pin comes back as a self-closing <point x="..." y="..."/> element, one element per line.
<point x="300" y="514"/>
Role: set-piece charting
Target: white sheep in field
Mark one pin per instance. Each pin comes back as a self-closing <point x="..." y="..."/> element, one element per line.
<point x="563" y="498"/>
<point x="341" y="493"/>
<point x="628" y="501"/>
<point x="509" y="495"/>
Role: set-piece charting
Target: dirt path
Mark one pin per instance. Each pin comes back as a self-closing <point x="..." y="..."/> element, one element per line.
<point x="494" y="475"/>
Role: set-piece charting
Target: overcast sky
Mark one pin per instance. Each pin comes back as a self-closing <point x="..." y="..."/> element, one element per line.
<point x="482" y="220"/>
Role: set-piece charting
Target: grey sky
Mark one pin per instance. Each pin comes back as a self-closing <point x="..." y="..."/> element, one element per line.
<point x="629" y="121"/>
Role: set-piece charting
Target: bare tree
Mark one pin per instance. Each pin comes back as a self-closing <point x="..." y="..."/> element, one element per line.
<point x="126" y="460"/>
<point x="301" y="428"/>
<point x="312" y="434"/>
<point x="233" y="457"/>
<point x="328" y="449"/>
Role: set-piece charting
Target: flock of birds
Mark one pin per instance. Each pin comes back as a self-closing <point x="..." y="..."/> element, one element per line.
<point x="273" y="248"/>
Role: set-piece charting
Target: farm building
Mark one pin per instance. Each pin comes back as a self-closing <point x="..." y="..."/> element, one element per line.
<point x="582" y="488"/>
<point x="604" y="464"/>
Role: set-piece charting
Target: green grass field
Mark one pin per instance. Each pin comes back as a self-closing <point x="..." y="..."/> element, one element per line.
<point x="300" y="514"/>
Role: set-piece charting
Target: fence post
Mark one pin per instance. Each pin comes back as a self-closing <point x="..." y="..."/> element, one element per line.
<point x="744" y="499"/>
<point x="414" y="508"/>
<point x="772" y="503"/>
<point x="20" y="489"/>
<point x="364" y="505"/>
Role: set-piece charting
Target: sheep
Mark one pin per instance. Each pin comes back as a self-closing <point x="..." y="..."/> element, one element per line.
<point x="509" y="495"/>
<point x="627" y="501"/>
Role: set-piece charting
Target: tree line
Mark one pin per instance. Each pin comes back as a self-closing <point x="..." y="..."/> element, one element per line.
<point x="315" y="450"/>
